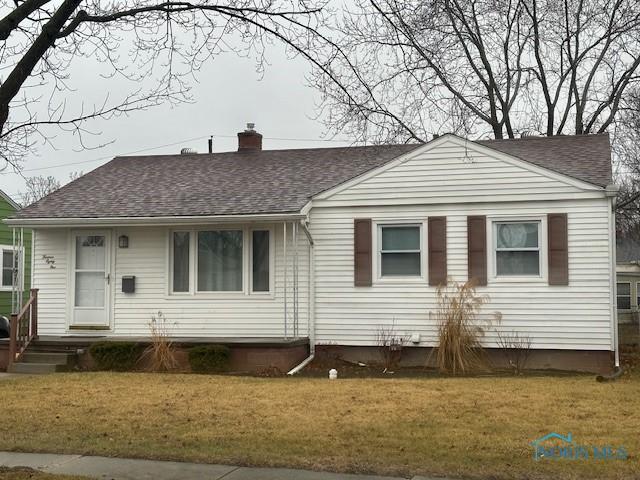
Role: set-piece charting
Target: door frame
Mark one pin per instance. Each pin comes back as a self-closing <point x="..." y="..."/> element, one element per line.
<point x="109" y="269"/>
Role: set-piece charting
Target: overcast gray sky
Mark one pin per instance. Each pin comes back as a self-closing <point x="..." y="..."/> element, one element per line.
<point x="228" y="95"/>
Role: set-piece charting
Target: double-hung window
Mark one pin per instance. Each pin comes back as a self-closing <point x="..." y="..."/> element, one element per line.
<point x="623" y="290"/>
<point x="8" y="267"/>
<point x="517" y="248"/>
<point x="219" y="260"/>
<point x="399" y="250"/>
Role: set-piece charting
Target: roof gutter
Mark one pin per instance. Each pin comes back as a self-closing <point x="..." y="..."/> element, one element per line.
<point x="150" y="221"/>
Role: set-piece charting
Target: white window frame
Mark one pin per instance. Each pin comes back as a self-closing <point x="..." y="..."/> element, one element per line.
<point x="247" y="266"/>
<point x="630" y="297"/>
<point x="377" y="247"/>
<point x="542" y="249"/>
<point x="637" y="295"/>
<point x="8" y="288"/>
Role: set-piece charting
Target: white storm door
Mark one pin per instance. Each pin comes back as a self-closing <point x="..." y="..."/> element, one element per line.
<point x="90" y="279"/>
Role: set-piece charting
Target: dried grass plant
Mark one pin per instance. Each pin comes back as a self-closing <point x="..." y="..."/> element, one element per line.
<point x="460" y="330"/>
<point x="161" y="353"/>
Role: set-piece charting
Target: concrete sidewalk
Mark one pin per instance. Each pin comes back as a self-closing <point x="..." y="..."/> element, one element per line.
<point x="130" y="469"/>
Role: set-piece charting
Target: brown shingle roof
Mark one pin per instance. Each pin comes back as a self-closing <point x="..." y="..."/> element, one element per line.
<point x="235" y="183"/>
<point x="271" y="181"/>
<point x="585" y="157"/>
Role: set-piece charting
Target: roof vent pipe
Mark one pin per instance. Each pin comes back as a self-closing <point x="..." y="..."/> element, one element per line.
<point x="188" y="151"/>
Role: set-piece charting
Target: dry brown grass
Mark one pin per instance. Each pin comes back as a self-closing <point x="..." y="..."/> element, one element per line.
<point x="21" y="473"/>
<point x="476" y="427"/>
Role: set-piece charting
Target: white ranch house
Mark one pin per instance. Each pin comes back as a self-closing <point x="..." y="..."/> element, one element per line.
<point x="281" y="252"/>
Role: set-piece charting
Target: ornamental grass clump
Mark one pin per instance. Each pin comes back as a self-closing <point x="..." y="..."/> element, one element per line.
<point x="161" y="353"/>
<point x="460" y="330"/>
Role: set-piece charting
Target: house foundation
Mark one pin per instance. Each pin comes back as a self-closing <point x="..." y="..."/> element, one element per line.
<point x="590" y="361"/>
<point x="251" y="355"/>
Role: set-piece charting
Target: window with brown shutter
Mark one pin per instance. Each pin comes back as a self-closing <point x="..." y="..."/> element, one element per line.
<point x="437" y="245"/>
<point x="362" y="252"/>
<point x="558" y="254"/>
<point x="477" y="248"/>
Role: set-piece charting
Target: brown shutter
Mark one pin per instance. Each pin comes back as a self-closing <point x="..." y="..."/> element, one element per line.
<point x="558" y="251"/>
<point x="362" y="252"/>
<point x="477" y="248"/>
<point x="437" y="247"/>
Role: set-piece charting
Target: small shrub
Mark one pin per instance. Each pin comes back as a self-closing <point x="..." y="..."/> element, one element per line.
<point x="516" y="349"/>
<point x="161" y="352"/>
<point x="390" y="345"/>
<point x="119" y="356"/>
<point x="209" y="358"/>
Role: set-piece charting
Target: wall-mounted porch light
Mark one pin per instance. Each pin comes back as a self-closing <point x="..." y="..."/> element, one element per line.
<point x="123" y="241"/>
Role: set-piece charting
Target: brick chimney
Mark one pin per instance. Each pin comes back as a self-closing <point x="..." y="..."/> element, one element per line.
<point x="249" y="139"/>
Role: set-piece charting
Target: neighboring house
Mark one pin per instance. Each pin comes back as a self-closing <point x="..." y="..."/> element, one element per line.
<point x="628" y="287"/>
<point x="15" y="261"/>
<point x="282" y="249"/>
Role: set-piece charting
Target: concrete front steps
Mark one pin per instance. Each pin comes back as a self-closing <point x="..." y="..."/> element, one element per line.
<point x="37" y="362"/>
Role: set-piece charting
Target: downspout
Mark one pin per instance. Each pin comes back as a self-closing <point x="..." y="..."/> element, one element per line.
<point x="611" y="192"/>
<point x="312" y="304"/>
<point x="284" y="254"/>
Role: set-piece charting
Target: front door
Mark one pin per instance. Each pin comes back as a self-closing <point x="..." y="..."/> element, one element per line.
<point x="90" y="280"/>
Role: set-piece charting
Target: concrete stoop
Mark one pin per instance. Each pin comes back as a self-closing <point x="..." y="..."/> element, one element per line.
<point x="40" y="362"/>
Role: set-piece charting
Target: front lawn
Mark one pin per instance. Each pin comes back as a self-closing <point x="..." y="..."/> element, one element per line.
<point x="475" y="427"/>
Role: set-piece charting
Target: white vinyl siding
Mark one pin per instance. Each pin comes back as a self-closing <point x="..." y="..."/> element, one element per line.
<point x="456" y="180"/>
<point x="51" y="275"/>
<point x="576" y="316"/>
<point x="453" y="173"/>
<point x="218" y="314"/>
